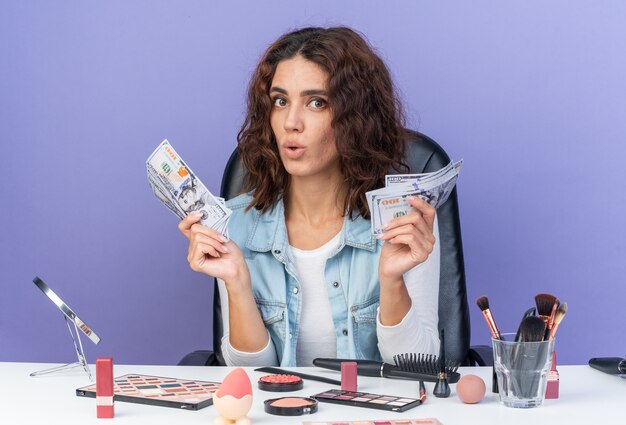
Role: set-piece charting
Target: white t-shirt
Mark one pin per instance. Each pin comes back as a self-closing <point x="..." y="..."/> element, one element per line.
<point x="316" y="331"/>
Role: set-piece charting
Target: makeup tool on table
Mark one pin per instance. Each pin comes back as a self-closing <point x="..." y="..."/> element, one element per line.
<point x="546" y="310"/>
<point x="422" y="391"/>
<point x="277" y="370"/>
<point x="233" y="399"/>
<point x="290" y="406"/>
<point x="69" y="316"/>
<point x="483" y="303"/>
<point x="530" y="312"/>
<point x="552" y="389"/>
<point x="104" y="387"/>
<point x="408" y="366"/>
<point x="349" y="376"/>
<point x="528" y="357"/>
<point x="610" y="365"/>
<point x="281" y="382"/>
<point x="528" y="363"/>
<point x="442" y="389"/>
<point x="471" y="389"/>
<point x="424" y="421"/>
<point x="558" y="318"/>
<point x="368" y="400"/>
<point x="159" y="391"/>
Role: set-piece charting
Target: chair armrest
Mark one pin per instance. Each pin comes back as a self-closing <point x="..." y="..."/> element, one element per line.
<point x="480" y="355"/>
<point x="199" y="358"/>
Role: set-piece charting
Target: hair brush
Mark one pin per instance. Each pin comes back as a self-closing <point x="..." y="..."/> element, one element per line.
<point x="427" y="364"/>
<point x="408" y="366"/>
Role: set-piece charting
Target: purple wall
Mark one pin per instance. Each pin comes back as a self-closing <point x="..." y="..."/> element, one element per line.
<point x="531" y="94"/>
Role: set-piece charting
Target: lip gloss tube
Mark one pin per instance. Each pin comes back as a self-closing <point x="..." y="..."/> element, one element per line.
<point x="104" y="387"/>
<point x="348" y="376"/>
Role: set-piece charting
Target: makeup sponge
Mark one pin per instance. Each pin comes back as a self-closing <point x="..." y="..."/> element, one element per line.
<point x="233" y="399"/>
<point x="236" y="384"/>
<point x="470" y="389"/>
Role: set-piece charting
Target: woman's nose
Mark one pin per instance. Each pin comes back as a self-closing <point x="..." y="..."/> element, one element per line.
<point x="294" y="120"/>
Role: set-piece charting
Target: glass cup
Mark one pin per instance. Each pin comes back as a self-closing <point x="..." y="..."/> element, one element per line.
<point x="522" y="370"/>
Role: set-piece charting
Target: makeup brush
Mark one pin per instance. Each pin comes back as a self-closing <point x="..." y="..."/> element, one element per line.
<point x="442" y="388"/>
<point x="558" y="318"/>
<point x="532" y="329"/>
<point x="526" y="356"/>
<point x="529" y="313"/>
<point x="422" y="392"/>
<point x="551" y="319"/>
<point x="545" y="304"/>
<point x="483" y="304"/>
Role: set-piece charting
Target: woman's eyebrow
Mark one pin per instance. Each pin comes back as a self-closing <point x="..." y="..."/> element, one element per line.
<point x="302" y="93"/>
<point x="278" y="89"/>
<point x="313" y="92"/>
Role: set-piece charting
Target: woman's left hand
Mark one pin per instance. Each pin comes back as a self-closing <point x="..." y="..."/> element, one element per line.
<point x="409" y="240"/>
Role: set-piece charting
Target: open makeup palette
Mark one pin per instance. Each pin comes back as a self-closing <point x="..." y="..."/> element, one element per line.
<point x="158" y="391"/>
<point x="371" y="401"/>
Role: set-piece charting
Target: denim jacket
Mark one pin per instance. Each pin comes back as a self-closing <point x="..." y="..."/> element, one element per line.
<point x="351" y="280"/>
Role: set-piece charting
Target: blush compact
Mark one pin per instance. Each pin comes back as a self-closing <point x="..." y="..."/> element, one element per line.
<point x="290" y="406"/>
<point x="280" y="382"/>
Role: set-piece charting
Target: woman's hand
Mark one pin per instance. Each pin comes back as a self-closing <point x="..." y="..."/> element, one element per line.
<point x="211" y="253"/>
<point x="409" y="240"/>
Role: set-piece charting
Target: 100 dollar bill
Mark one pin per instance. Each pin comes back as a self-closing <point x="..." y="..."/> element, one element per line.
<point x="181" y="191"/>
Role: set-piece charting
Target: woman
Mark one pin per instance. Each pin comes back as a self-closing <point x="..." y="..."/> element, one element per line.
<point x="303" y="276"/>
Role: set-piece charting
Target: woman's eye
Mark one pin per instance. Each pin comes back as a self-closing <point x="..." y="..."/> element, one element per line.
<point x="280" y="102"/>
<point x="317" y="103"/>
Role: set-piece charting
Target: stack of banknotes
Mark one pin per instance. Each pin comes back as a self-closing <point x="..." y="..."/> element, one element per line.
<point x="175" y="185"/>
<point x="390" y="202"/>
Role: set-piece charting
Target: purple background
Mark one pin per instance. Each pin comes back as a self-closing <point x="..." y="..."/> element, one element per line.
<point x="532" y="94"/>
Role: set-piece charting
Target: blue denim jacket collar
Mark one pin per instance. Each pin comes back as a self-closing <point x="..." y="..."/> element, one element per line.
<point x="269" y="233"/>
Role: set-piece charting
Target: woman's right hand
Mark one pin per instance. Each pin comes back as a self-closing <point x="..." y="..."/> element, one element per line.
<point x="211" y="253"/>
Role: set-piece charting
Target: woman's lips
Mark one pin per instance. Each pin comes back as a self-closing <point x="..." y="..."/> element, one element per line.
<point x="293" y="152"/>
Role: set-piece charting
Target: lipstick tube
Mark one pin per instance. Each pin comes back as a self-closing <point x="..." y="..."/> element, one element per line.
<point x="104" y="387"/>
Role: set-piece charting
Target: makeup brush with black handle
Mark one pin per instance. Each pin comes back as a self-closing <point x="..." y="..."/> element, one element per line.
<point x="530" y="312"/>
<point x="528" y="356"/>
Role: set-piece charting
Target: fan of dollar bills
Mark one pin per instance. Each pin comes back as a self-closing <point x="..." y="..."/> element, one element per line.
<point x="175" y="185"/>
<point x="390" y="202"/>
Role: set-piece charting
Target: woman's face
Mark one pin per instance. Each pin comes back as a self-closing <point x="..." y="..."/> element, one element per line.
<point x="301" y="118"/>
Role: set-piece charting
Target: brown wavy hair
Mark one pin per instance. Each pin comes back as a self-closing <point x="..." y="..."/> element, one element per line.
<point x="368" y="120"/>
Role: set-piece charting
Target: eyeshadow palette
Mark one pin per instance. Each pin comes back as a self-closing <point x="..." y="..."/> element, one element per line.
<point x="427" y="421"/>
<point x="158" y="391"/>
<point x="371" y="401"/>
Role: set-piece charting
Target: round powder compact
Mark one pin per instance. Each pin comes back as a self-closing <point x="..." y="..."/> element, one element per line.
<point x="280" y="382"/>
<point x="290" y="406"/>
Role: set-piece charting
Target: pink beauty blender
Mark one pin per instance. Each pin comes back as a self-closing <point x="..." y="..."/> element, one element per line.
<point x="233" y="399"/>
<point x="470" y="389"/>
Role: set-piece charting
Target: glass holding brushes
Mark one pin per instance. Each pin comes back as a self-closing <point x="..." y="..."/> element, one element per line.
<point x="522" y="370"/>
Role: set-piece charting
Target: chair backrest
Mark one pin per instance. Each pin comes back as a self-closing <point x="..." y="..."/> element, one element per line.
<point x="423" y="155"/>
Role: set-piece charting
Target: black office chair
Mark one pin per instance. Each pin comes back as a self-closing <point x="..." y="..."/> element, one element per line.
<point x="423" y="155"/>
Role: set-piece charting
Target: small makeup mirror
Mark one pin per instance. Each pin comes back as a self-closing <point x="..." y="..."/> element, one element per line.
<point x="78" y="324"/>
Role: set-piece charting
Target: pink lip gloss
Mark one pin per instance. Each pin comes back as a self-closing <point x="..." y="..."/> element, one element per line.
<point x="348" y="376"/>
<point x="104" y="387"/>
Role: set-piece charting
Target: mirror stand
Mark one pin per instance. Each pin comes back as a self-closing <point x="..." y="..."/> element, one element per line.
<point x="82" y="360"/>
